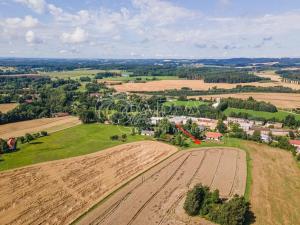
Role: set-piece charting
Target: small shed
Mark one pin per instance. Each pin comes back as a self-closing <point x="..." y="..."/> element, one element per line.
<point x="213" y="136"/>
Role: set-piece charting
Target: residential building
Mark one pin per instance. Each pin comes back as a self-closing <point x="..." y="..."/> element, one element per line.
<point x="155" y="120"/>
<point x="296" y="143"/>
<point x="147" y="133"/>
<point x="213" y="136"/>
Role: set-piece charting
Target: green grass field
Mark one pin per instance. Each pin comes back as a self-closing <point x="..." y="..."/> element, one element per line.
<point x="185" y="103"/>
<point x="75" y="141"/>
<point x="267" y="115"/>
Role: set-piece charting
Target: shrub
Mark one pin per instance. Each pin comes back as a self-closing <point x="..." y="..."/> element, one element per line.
<point x="44" y="133"/>
<point x="114" y="137"/>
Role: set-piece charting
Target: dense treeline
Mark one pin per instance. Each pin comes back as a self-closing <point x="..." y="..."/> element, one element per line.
<point x="219" y="75"/>
<point x="216" y="91"/>
<point x="289" y="74"/>
<point x="250" y="103"/>
<point x="201" y="201"/>
<point x="15" y="72"/>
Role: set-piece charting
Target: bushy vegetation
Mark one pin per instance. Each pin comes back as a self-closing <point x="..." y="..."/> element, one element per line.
<point x="203" y="202"/>
<point x="250" y="103"/>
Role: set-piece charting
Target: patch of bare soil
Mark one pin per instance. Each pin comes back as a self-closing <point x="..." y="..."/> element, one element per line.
<point x="5" y="107"/>
<point x="58" y="192"/>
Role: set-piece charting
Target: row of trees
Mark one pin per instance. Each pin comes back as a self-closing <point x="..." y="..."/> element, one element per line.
<point x="203" y="202"/>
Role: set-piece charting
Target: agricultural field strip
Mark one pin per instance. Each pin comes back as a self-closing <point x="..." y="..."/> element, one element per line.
<point x="103" y="218"/>
<point x="80" y="189"/>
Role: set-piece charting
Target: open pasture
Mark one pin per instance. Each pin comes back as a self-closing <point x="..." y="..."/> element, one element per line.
<point x="157" y="196"/>
<point x="60" y="191"/>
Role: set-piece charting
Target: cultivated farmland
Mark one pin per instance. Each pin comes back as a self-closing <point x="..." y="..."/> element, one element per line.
<point x="157" y="196"/>
<point x="31" y="126"/>
<point x="281" y="100"/>
<point x="5" y="107"/>
<point x="193" y="84"/>
<point x="67" y="188"/>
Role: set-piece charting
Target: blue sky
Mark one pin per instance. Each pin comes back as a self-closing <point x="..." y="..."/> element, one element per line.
<point x="150" y="28"/>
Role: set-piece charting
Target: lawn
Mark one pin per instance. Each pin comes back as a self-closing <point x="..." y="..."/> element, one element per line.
<point x="185" y="103"/>
<point x="75" y="141"/>
<point x="280" y="115"/>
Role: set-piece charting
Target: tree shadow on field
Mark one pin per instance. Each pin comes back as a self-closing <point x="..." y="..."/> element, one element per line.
<point x="250" y="218"/>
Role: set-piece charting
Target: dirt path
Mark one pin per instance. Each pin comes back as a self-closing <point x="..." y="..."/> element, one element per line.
<point x="58" y="192"/>
<point x="32" y="126"/>
<point x="157" y="196"/>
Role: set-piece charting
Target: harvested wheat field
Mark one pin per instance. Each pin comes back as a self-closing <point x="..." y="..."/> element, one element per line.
<point x="161" y="85"/>
<point x="157" y="196"/>
<point x="5" y="107"/>
<point x="275" y="190"/>
<point x="60" y="191"/>
<point x="31" y="126"/>
<point x="281" y="100"/>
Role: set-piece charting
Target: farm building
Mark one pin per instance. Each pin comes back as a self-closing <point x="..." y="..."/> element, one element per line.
<point x="265" y="138"/>
<point x="274" y="125"/>
<point x="213" y="136"/>
<point x="208" y="123"/>
<point x="296" y="143"/>
<point x="155" y="120"/>
<point x="147" y="133"/>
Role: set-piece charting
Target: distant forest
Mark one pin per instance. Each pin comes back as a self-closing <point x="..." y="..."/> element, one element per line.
<point x="290" y="74"/>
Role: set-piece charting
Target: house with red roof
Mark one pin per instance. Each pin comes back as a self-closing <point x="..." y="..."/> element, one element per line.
<point x="213" y="136"/>
<point x="296" y="143"/>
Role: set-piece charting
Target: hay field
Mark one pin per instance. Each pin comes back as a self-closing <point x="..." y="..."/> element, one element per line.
<point x="275" y="190"/>
<point x="193" y="84"/>
<point x="60" y="191"/>
<point x="157" y="196"/>
<point x="31" y="126"/>
<point x="281" y="100"/>
<point x="5" y="107"/>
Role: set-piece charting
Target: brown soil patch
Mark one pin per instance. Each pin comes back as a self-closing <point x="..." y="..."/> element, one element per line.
<point x="161" y="85"/>
<point x="157" y="196"/>
<point x="60" y="191"/>
<point x="4" y="108"/>
<point x="281" y="100"/>
<point x="276" y="186"/>
<point x="31" y="126"/>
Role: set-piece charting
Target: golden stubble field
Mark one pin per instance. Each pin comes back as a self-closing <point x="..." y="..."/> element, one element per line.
<point x="32" y="126"/>
<point x="158" y="195"/>
<point x="281" y="100"/>
<point x="5" y="107"/>
<point x="60" y="191"/>
<point x="161" y="85"/>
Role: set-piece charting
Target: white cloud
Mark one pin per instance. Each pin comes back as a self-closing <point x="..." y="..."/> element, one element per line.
<point x="30" y="36"/>
<point x="16" y="22"/>
<point x="36" y="5"/>
<point x="77" y="36"/>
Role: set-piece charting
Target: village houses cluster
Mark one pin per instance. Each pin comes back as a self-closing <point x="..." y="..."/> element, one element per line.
<point x="267" y="130"/>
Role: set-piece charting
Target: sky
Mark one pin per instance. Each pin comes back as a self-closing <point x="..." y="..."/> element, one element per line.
<point x="149" y="28"/>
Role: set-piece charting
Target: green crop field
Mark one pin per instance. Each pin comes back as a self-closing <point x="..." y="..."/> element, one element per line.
<point x="185" y="103"/>
<point x="267" y="115"/>
<point x="75" y="141"/>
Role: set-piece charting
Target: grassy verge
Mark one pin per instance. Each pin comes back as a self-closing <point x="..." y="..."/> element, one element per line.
<point x="75" y="141"/>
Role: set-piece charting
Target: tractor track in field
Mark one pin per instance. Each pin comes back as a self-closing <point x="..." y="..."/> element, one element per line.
<point x="159" y="190"/>
<point x="111" y="209"/>
<point x="174" y="205"/>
